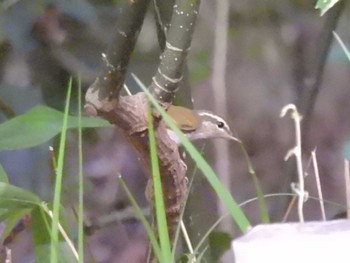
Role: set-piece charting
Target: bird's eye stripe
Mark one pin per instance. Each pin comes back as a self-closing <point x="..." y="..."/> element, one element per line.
<point x="211" y="115"/>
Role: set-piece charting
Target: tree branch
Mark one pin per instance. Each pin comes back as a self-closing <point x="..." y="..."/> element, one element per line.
<point x="170" y="71"/>
<point x="105" y="90"/>
<point x="163" y="10"/>
<point x="307" y="100"/>
<point x="129" y="112"/>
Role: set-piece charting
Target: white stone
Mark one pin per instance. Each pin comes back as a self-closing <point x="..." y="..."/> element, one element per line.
<point x="320" y="242"/>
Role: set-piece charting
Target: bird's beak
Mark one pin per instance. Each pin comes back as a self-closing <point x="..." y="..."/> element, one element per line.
<point x="231" y="137"/>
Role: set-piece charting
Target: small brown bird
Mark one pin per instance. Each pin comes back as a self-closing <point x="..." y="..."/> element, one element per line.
<point x="198" y="124"/>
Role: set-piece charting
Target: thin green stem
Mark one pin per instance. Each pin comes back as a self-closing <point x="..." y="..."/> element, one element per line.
<point x="81" y="182"/>
<point x="58" y="181"/>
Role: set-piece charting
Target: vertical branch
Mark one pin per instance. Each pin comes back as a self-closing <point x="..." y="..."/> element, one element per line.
<point x="107" y="85"/>
<point x="307" y="100"/>
<point x="163" y="10"/>
<point x="163" y="14"/>
<point x="166" y="81"/>
<point x="220" y="101"/>
<point x="318" y="184"/>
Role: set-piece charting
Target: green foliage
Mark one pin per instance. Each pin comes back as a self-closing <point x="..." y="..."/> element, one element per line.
<point x="325" y="5"/>
<point x="12" y="197"/>
<point x="39" y="125"/>
<point x="16" y="203"/>
<point x="35" y="127"/>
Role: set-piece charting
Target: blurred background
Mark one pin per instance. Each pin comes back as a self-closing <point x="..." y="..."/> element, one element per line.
<point x="271" y="52"/>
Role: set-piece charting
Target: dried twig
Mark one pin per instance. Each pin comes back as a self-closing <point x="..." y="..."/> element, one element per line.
<point x="298" y="188"/>
<point x="306" y="100"/>
<point x="318" y="184"/>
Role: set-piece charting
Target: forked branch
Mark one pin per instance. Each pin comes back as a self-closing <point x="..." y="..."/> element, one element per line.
<point x="129" y="113"/>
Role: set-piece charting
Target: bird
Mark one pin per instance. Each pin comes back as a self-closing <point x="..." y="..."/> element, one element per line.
<point x="198" y="124"/>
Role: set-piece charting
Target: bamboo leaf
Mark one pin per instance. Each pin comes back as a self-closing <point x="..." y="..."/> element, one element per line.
<point x="14" y="197"/>
<point x="39" y="125"/>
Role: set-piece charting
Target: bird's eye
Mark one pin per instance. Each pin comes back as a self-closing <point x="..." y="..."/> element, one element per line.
<point x="220" y="124"/>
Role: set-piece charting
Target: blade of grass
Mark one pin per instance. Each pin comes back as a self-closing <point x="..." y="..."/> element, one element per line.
<point x="342" y="45"/>
<point x="187" y="238"/>
<point x="318" y="184"/>
<point x="179" y="227"/>
<point x="231" y="205"/>
<point x="81" y="182"/>
<point x="143" y="219"/>
<point x="162" y="225"/>
<point x="58" y="181"/>
<point x="262" y="203"/>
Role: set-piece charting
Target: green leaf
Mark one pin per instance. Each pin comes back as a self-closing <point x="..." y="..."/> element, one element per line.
<point x="3" y="175"/>
<point x="13" y="217"/>
<point x="39" y="125"/>
<point x="14" y="197"/>
<point x="325" y="5"/>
